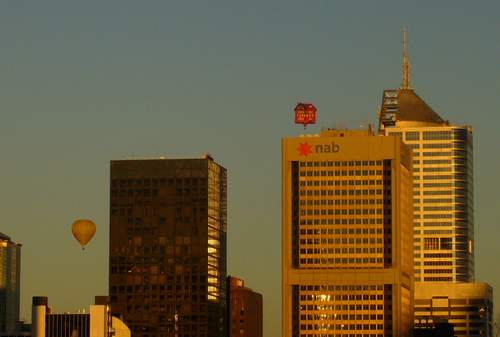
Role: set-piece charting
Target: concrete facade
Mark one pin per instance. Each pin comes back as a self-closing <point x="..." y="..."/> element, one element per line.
<point x="347" y="266"/>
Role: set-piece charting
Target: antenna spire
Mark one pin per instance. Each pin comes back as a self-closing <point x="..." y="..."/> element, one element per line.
<point x="406" y="63"/>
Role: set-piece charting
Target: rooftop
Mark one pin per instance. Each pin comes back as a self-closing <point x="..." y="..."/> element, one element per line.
<point x="404" y="105"/>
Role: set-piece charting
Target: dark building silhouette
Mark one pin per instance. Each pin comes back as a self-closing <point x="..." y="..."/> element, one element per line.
<point x="167" y="254"/>
<point x="10" y="271"/>
<point x="442" y="329"/>
<point x="245" y="310"/>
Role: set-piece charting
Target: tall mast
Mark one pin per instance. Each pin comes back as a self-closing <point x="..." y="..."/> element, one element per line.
<point x="406" y="63"/>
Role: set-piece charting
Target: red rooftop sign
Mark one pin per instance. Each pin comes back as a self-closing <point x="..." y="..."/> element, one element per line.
<point x="305" y="113"/>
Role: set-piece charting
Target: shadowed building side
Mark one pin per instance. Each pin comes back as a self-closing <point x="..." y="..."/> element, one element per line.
<point x="10" y="271"/>
<point x="167" y="249"/>
<point x="245" y="310"/>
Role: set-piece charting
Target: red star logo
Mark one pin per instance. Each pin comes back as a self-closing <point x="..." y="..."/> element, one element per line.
<point x="304" y="149"/>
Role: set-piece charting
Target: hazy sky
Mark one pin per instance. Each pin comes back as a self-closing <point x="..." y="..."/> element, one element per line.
<point x="85" y="82"/>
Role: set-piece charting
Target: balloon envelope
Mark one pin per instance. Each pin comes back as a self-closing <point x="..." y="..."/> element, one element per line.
<point x="83" y="231"/>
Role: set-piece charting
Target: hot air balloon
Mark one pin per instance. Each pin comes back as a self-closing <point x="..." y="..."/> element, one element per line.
<point x="83" y="231"/>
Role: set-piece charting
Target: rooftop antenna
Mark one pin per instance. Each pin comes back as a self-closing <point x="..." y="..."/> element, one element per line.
<point x="406" y="63"/>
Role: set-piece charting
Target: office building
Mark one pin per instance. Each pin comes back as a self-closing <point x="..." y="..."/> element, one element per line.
<point x="442" y="186"/>
<point x="244" y="310"/>
<point x="10" y="270"/>
<point x="442" y="183"/>
<point x="443" y="199"/>
<point x="167" y="251"/>
<point x="466" y="306"/>
<point x="347" y="267"/>
<point x="97" y="322"/>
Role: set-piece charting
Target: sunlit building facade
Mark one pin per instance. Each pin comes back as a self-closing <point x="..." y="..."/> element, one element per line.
<point x="467" y="306"/>
<point x="442" y="186"/>
<point x="10" y="270"/>
<point x="347" y="267"/>
<point x="443" y="204"/>
<point x="168" y="246"/>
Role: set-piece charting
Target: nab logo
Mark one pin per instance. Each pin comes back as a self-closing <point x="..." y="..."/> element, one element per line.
<point x="305" y="149"/>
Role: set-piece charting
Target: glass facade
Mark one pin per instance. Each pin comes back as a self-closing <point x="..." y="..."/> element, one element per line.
<point x="168" y="226"/>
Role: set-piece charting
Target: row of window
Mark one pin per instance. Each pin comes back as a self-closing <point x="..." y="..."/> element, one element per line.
<point x="357" y="201"/>
<point x="345" y="231"/>
<point x="358" y="317"/>
<point x="338" y="192"/>
<point x="331" y="262"/>
<point x="341" y="163"/>
<point x="341" y="297"/>
<point x="341" y="173"/>
<point x="344" y="250"/>
<point x="350" y="327"/>
<point x="349" y="211"/>
<point x="432" y="135"/>
<point x="339" y="221"/>
<point x="325" y="182"/>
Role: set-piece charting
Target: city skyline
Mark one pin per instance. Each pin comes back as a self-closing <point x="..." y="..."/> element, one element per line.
<point x="58" y="135"/>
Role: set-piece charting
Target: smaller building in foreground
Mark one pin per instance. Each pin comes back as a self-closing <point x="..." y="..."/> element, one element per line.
<point x="467" y="306"/>
<point x="244" y="310"/>
<point x="98" y="322"/>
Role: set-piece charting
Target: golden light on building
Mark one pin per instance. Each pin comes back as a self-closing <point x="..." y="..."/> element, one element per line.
<point x="346" y="235"/>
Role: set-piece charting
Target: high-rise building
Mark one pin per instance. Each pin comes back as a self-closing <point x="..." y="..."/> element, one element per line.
<point x="442" y="183"/>
<point x="97" y="322"/>
<point x="167" y="251"/>
<point x="347" y="267"/>
<point x="443" y="224"/>
<point x="442" y="186"/>
<point x="10" y="270"/>
<point x="244" y="310"/>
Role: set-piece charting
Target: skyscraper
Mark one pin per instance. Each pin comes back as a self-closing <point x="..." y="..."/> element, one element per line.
<point x="10" y="270"/>
<point x="442" y="186"/>
<point x="442" y="183"/>
<point x="347" y="265"/>
<point x="168" y="246"/>
<point x="443" y="205"/>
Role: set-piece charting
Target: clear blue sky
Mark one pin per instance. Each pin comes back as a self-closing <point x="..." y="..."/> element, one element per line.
<point x="85" y="82"/>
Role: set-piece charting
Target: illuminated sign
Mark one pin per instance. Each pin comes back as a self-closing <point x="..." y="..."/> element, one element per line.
<point x="305" y="113"/>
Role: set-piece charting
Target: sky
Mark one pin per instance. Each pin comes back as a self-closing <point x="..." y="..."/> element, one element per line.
<point x="85" y="82"/>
